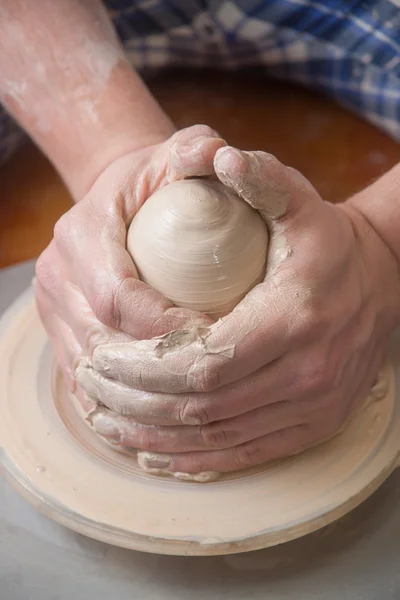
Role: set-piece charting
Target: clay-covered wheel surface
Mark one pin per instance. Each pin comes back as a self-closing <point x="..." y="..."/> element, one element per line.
<point x="58" y="463"/>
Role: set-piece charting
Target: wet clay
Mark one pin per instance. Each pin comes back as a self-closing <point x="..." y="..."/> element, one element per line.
<point x="200" y="245"/>
<point x="58" y="462"/>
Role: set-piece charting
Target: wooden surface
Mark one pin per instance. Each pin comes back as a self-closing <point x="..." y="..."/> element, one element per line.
<point x="337" y="151"/>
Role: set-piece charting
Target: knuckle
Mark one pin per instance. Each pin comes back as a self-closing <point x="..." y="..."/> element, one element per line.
<point x="147" y="439"/>
<point x="93" y="337"/>
<point x="248" y="455"/>
<point x="265" y="165"/>
<point x="268" y="160"/>
<point x="42" y="268"/>
<point x="45" y="272"/>
<point x="204" y="377"/>
<point x="296" y="173"/>
<point x="194" y="412"/>
<point x="317" y="376"/>
<point x="215" y="436"/>
<point x="71" y="227"/>
<point x="194" y="462"/>
<point x="61" y="230"/>
<point x="192" y="134"/>
<point x="105" y="304"/>
<point x="203" y="130"/>
<point x="309" y="323"/>
<point x="301" y="181"/>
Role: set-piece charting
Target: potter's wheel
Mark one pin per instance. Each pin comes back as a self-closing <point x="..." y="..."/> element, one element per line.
<point x="60" y="465"/>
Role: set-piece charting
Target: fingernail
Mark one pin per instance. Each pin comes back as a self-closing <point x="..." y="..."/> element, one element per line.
<point x="154" y="462"/>
<point x="105" y="425"/>
<point x="224" y="157"/>
<point x="180" y="149"/>
<point x="82" y="377"/>
<point x="100" y="360"/>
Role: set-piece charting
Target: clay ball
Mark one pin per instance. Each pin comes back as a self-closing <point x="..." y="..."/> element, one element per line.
<point x="200" y="245"/>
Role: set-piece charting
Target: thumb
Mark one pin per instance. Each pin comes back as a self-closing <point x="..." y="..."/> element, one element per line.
<point x="270" y="187"/>
<point x="192" y="151"/>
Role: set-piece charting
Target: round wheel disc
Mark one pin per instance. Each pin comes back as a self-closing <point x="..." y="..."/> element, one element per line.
<point x="60" y="465"/>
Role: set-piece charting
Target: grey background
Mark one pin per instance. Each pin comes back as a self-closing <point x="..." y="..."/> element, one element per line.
<point x="357" y="558"/>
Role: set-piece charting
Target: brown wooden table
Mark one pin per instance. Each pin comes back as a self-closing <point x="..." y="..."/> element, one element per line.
<point x="337" y="151"/>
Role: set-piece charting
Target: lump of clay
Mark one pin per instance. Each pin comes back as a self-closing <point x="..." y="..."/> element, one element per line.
<point x="200" y="245"/>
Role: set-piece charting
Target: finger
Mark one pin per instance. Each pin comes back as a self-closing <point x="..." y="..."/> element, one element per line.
<point x="283" y="312"/>
<point x="128" y="433"/>
<point x="192" y="151"/>
<point x="264" y="449"/>
<point x="285" y="381"/>
<point x="109" y="280"/>
<point x="332" y="409"/>
<point x="257" y="332"/>
<point x="69" y="303"/>
<point x="302" y="377"/>
<point x="144" y="407"/>
<point x="219" y="435"/>
<point x="154" y="408"/>
<point x="278" y="382"/>
<point x="270" y="187"/>
<point x="113" y="290"/>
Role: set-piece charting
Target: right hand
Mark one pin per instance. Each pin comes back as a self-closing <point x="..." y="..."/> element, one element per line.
<point x="87" y="287"/>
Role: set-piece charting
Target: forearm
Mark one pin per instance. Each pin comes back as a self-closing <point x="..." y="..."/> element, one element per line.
<point x="380" y="205"/>
<point x="64" y="77"/>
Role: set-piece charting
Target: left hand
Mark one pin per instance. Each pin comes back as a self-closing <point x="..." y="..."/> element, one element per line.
<point x="305" y="345"/>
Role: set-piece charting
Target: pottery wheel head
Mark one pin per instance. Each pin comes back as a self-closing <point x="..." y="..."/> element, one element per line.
<point x="59" y="464"/>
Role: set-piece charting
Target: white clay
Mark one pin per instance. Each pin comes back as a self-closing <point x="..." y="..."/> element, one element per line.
<point x="200" y="245"/>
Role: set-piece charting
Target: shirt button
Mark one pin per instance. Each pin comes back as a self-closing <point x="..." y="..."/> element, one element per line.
<point x="206" y="28"/>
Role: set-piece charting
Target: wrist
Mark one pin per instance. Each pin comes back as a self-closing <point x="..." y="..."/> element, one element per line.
<point x="379" y="203"/>
<point x="381" y="265"/>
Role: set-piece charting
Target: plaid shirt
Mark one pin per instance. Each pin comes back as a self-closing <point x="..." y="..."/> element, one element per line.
<point x="348" y="49"/>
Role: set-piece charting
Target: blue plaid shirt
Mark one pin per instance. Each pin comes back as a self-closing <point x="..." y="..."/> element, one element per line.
<point x="349" y="50"/>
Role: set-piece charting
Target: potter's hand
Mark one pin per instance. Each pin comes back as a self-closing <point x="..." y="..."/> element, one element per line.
<point x="286" y="368"/>
<point x="87" y="288"/>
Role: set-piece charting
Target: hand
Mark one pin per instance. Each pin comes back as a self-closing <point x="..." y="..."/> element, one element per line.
<point x="305" y="345"/>
<point x="87" y="288"/>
